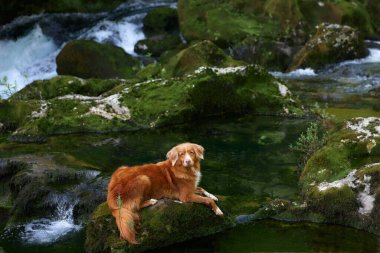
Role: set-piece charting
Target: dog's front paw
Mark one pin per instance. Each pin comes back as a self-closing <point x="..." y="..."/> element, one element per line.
<point x="153" y="201"/>
<point x="218" y="212"/>
<point x="211" y="196"/>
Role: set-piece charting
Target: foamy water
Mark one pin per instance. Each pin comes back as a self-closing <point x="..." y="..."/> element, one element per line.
<point x="28" y="58"/>
<point x="46" y="230"/>
<point x="32" y="56"/>
<point x="307" y="72"/>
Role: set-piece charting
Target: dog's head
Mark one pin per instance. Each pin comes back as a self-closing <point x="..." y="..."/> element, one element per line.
<point x="186" y="154"/>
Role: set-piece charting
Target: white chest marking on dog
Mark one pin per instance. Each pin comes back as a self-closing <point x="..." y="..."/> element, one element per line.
<point x="198" y="179"/>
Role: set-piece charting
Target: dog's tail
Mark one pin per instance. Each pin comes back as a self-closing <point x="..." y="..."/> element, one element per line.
<point x="125" y="215"/>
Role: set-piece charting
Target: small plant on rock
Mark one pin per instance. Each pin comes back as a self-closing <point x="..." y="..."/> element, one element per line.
<point x="308" y="143"/>
<point x="9" y="89"/>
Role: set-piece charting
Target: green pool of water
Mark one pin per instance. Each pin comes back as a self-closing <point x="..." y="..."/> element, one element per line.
<point x="247" y="163"/>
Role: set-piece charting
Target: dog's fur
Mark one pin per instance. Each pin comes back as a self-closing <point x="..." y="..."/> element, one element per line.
<point x="133" y="188"/>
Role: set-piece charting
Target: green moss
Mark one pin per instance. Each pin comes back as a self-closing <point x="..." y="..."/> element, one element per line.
<point x="204" y="53"/>
<point x="14" y="113"/>
<point x="164" y="102"/>
<point x="64" y="85"/>
<point x="162" y="224"/>
<point x="89" y="59"/>
<point x="337" y="204"/>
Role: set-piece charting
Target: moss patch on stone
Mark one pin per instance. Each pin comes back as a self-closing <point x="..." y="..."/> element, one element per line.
<point x="64" y="85"/>
<point x="163" y="224"/>
<point x="340" y="181"/>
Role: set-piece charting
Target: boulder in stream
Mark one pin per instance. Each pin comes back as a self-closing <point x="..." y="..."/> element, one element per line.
<point x="331" y="44"/>
<point x="165" y="223"/>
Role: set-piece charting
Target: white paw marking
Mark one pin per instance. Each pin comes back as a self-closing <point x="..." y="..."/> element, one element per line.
<point x="153" y="201"/>
<point x="177" y="201"/>
<point x="218" y="211"/>
<point x="211" y="196"/>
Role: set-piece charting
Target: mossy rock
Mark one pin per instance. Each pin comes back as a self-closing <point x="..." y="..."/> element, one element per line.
<point x="275" y="55"/>
<point x="160" y="21"/>
<point x="65" y="85"/>
<point x="12" y="9"/>
<point x="90" y="59"/>
<point x="341" y="181"/>
<point x="229" y="22"/>
<point x="203" y="53"/>
<point x="156" y="45"/>
<point x="331" y="44"/>
<point x="163" y="224"/>
<point x="14" y="113"/>
<point x="208" y="92"/>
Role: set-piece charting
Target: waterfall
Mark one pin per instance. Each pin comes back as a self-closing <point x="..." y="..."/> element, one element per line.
<point x="46" y="230"/>
<point x="30" y="44"/>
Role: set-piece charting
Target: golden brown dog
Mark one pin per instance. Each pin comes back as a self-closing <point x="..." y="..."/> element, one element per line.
<point x="133" y="188"/>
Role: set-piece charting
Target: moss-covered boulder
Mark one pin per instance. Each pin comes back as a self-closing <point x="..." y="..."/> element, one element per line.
<point x="90" y="59"/>
<point x="341" y="181"/>
<point x="65" y="85"/>
<point x="231" y="21"/>
<point x="207" y="92"/>
<point x="201" y="54"/>
<point x="332" y="43"/>
<point x="163" y="224"/>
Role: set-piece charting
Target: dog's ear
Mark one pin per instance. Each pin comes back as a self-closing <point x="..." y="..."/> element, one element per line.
<point x="199" y="150"/>
<point x="172" y="155"/>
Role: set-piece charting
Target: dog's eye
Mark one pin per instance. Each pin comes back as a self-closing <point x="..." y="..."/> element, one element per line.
<point x="191" y="152"/>
<point x="180" y="154"/>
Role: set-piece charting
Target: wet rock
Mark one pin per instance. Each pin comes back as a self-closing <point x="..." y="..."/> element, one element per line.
<point x="89" y="59"/>
<point x="275" y="55"/>
<point x="156" y="45"/>
<point x="163" y="224"/>
<point x="341" y="181"/>
<point x="207" y="92"/>
<point x="331" y="44"/>
<point x="36" y="181"/>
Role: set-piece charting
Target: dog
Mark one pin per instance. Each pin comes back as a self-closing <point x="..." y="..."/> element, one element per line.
<point x="177" y="178"/>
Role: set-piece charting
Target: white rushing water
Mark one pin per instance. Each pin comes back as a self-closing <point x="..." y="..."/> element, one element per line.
<point x="28" y="58"/>
<point x="32" y="56"/>
<point x="50" y="230"/>
<point x="124" y="33"/>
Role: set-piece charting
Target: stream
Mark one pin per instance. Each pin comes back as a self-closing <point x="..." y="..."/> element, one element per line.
<point x="247" y="160"/>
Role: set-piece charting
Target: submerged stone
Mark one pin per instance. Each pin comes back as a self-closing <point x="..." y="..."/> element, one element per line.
<point x="165" y="223"/>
